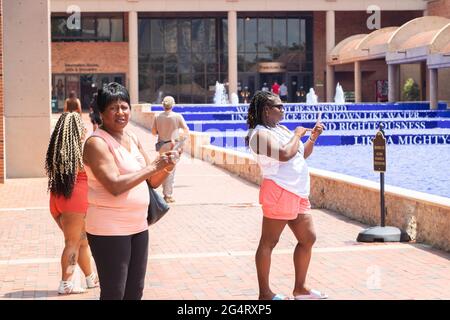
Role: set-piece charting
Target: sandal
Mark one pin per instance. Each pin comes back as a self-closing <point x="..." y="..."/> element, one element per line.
<point x="67" y="287"/>
<point x="92" y="280"/>
<point x="313" y="295"/>
<point x="280" y="296"/>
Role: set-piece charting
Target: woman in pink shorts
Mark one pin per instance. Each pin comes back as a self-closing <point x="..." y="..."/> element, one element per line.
<point x="67" y="183"/>
<point x="284" y="190"/>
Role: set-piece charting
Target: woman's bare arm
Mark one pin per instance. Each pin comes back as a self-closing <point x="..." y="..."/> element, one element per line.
<point x="100" y="160"/>
<point x="264" y="144"/>
<point x="158" y="177"/>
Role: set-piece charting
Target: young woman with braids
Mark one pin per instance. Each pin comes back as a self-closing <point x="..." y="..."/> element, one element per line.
<point x="67" y="183"/>
<point x="284" y="190"/>
<point x="116" y="222"/>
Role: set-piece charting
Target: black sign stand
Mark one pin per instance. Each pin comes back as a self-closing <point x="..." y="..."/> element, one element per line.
<point x="382" y="233"/>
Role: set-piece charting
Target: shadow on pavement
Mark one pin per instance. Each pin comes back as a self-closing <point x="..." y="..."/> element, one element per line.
<point x="32" y="294"/>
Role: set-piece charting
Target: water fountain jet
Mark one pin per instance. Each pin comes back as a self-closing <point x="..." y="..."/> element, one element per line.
<point x="311" y="97"/>
<point x="339" y="97"/>
<point x="220" y="96"/>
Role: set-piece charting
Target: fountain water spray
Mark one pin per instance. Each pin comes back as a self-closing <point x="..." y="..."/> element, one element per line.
<point x="220" y="96"/>
<point x="311" y="97"/>
<point x="339" y="97"/>
<point x="234" y="99"/>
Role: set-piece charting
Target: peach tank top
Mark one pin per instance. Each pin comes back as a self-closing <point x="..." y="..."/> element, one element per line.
<point x="125" y="214"/>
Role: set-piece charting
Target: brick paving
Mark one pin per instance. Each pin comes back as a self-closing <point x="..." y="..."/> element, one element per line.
<point x="204" y="247"/>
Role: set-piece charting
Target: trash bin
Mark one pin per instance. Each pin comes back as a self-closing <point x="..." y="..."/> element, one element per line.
<point x="54" y="106"/>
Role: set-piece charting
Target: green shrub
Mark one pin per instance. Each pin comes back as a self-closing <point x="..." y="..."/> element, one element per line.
<point x="411" y="91"/>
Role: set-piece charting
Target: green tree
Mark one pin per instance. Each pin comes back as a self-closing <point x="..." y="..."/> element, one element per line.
<point x="411" y="90"/>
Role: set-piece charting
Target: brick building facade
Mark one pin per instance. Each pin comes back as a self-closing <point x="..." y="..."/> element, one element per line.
<point x="348" y="24"/>
<point x="439" y="8"/>
<point x="112" y="57"/>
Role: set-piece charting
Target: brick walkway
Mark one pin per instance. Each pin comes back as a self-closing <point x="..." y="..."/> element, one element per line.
<point x="204" y="247"/>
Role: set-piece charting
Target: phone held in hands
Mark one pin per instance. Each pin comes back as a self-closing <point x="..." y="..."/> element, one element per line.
<point x="179" y="144"/>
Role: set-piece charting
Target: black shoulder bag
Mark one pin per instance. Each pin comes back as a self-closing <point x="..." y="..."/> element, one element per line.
<point x="157" y="208"/>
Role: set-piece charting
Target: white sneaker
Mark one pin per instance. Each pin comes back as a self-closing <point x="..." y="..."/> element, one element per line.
<point x="67" y="287"/>
<point x="92" y="280"/>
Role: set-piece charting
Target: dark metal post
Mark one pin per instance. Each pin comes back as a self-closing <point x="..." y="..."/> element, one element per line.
<point x="383" y="211"/>
<point x="382" y="233"/>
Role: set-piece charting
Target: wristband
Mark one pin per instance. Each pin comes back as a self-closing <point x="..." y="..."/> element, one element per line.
<point x="313" y="141"/>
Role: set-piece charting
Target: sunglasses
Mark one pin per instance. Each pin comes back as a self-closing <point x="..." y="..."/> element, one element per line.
<point x="278" y="106"/>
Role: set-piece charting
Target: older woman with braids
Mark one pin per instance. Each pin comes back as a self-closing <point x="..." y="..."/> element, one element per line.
<point x="284" y="190"/>
<point x="67" y="183"/>
<point x="118" y="170"/>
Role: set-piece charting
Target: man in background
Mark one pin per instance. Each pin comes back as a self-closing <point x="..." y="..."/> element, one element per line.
<point x="276" y="88"/>
<point x="167" y="127"/>
<point x="283" y="92"/>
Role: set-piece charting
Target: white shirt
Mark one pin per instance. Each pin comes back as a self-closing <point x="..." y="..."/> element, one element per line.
<point x="292" y="175"/>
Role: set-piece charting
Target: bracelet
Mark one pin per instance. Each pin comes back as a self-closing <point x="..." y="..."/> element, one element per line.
<point x="165" y="170"/>
<point x="313" y="141"/>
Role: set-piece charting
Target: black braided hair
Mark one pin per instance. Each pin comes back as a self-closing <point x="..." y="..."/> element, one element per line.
<point x="255" y="110"/>
<point x="64" y="154"/>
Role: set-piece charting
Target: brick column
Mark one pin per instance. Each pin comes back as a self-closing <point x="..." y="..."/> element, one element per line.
<point x="394" y="82"/>
<point x="331" y="42"/>
<point x="2" y="128"/>
<point x="358" y="93"/>
<point x="232" y="53"/>
<point x="433" y="88"/>
<point x="133" y="56"/>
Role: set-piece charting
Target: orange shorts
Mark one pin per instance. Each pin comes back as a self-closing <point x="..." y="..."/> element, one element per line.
<point x="278" y="203"/>
<point x="77" y="203"/>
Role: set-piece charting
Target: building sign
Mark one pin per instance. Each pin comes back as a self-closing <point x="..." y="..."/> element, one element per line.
<point x="379" y="152"/>
<point x="81" y="67"/>
<point x="271" y="67"/>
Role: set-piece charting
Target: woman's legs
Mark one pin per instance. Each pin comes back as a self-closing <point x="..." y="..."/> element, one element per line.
<point x="303" y="229"/>
<point x="138" y="265"/>
<point x="271" y="231"/>
<point x="84" y="256"/>
<point x="84" y="253"/>
<point x="112" y="256"/>
<point x="72" y="225"/>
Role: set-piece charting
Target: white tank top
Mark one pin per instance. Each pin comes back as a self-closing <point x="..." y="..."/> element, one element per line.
<point x="292" y="175"/>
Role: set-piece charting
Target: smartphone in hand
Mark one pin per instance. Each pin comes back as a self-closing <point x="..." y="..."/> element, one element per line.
<point x="179" y="144"/>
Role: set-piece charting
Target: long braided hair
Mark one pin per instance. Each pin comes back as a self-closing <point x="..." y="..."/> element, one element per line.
<point x="64" y="154"/>
<point x="255" y="110"/>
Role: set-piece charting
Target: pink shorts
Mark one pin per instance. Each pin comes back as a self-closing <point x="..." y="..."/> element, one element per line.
<point x="278" y="203"/>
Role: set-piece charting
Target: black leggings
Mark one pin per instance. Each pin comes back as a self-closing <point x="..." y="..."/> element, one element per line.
<point x="121" y="264"/>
